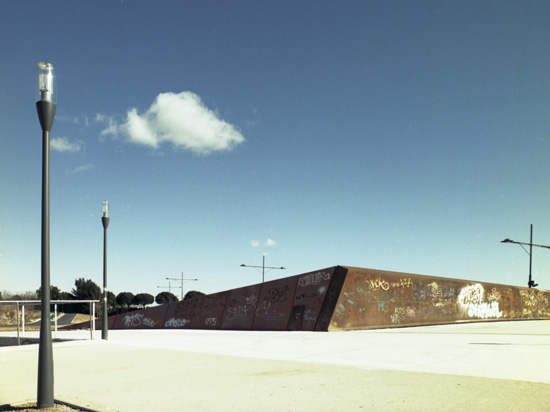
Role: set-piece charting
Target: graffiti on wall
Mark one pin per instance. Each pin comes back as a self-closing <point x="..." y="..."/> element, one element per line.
<point x="534" y="304"/>
<point x="176" y="323"/>
<point x="138" y="319"/>
<point x="241" y="306"/>
<point x="313" y="278"/>
<point x="472" y="299"/>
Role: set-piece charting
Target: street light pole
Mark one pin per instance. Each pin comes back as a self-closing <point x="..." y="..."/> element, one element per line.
<point x="182" y="280"/>
<point x="264" y="267"/>
<point x="105" y="222"/>
<point x="531" y="282"/>
<point x="45" y="107"/>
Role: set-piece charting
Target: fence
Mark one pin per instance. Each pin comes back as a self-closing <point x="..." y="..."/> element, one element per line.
<point x="21" y="316"/>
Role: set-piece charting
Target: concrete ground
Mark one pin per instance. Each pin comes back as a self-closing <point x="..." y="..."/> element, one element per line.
<point x="498" y="366"/>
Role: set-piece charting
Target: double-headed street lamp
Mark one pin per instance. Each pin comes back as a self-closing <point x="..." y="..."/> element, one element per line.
<point x="105" y="222"/>
<point x="264" y="267"/>
<point x="45" y="107"/>
<point x="182" y="280"/>
<point x="531" y="282"/>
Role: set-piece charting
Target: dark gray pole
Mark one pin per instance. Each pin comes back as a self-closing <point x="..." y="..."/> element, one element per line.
<point x="46" y="114"/>
<point x="531" y="257"/>
<point x="105" y="221"/>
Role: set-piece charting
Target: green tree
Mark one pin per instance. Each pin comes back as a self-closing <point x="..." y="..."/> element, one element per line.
<point x="143" y="299"/>
<point x="124" y="299"/>
<point x="111" y="302"/>
<point x="29" y="295"/>
<point x="55" y="293"/>
<point x="193" y="294"/>
<point x="165" y="297"/>
<point x="86" y="289"/>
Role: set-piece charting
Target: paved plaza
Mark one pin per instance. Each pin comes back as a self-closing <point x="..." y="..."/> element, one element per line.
<point x="488" y="366"/>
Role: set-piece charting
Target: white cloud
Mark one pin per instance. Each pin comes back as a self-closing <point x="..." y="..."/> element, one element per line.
<point x="82" y="168"/>
<point x="268" y="243"/>
<point x="181" y="119"/>
<point x="62" y="144"/>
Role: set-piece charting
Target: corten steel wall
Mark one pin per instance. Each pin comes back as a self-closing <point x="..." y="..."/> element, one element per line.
<point x="303" y="302"/>
<point x="375" y="299"/>
<point x="182" y="314"/>
<point x="240" y="308"/>
<point x="148" y="318"/>
<point x="275" y="304"/>
<point x="343" y="298"/>
<point x="309" y="296"/>
<point x="208" y="312"/>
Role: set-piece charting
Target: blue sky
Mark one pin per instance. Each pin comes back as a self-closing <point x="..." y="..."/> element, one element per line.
<point x="393" y="135"/>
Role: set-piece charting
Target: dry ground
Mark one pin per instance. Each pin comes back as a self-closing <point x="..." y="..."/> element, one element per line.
<point x="29" y="407"/>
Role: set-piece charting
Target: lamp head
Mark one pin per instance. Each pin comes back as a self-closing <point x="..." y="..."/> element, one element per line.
<point x="46" y="82"/>
<point x="105" y="208"/>
<point x="507" y="241"/>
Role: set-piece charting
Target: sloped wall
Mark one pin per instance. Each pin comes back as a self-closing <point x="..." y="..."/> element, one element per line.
<point x="376" y="299"/>
<point x="343" y="298"/>
<point x="292" y="303"/>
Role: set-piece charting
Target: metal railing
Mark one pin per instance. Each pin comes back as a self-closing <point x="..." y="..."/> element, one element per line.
<point x="23" y="303"/>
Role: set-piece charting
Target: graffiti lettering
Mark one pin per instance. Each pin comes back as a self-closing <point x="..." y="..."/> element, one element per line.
<point x="278" y="294"/>
<point x="272" y="317"/>
<point x="535" y="304"/>
<point x="382" y="307"/>
<point x="378" y="284"/>
<point x="484" y="310"/>
<point x="310" y="315"/>
<point x="252" y="299"/>
<point x="313" y="278"/>
<point x="403" y="283"/>
<point x="494" y="295"/>
<point x="239" y="311"/>
<point x="398" y="316"/>
<point x="305" y="296"/>
<point x="149" y="322"/>
<point x="133" y="320"/>
<point x="471" y="294"/>
<point x="176" y="323"/>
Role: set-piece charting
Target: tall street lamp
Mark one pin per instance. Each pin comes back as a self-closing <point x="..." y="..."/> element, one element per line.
<point x="182" y="280"/>
<point x="264" y="267"/>
<point x="45" y="107"/>
<point x="531" y="282"/>
<point x="105" y="221"/>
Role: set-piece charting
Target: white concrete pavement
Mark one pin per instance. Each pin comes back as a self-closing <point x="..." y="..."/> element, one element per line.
<point x="475" y="366"/>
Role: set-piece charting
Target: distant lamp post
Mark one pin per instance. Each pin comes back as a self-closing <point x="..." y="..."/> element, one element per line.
<point x="182" y="280"/>
<point x="264" y="267"/>
<point x="105" y="221"/>
<point x="45" y="107"/>
<point x="531" y="282"/>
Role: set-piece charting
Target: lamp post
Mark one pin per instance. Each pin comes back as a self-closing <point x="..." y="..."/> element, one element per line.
<point x="182" y="280"/>
<point x="264" y="267"/>
<point x="531" y="282"/>
<point x="45" y="107"/>
<point x="105" y="221"/>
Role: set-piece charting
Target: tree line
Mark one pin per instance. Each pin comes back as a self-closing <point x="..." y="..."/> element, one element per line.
<point x="87" y="289"/>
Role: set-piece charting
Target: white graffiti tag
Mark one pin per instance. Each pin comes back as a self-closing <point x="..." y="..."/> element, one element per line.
<point x="176" y="323"/>
<point x="313" y="278"/>
<point x="471" y="294"/>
